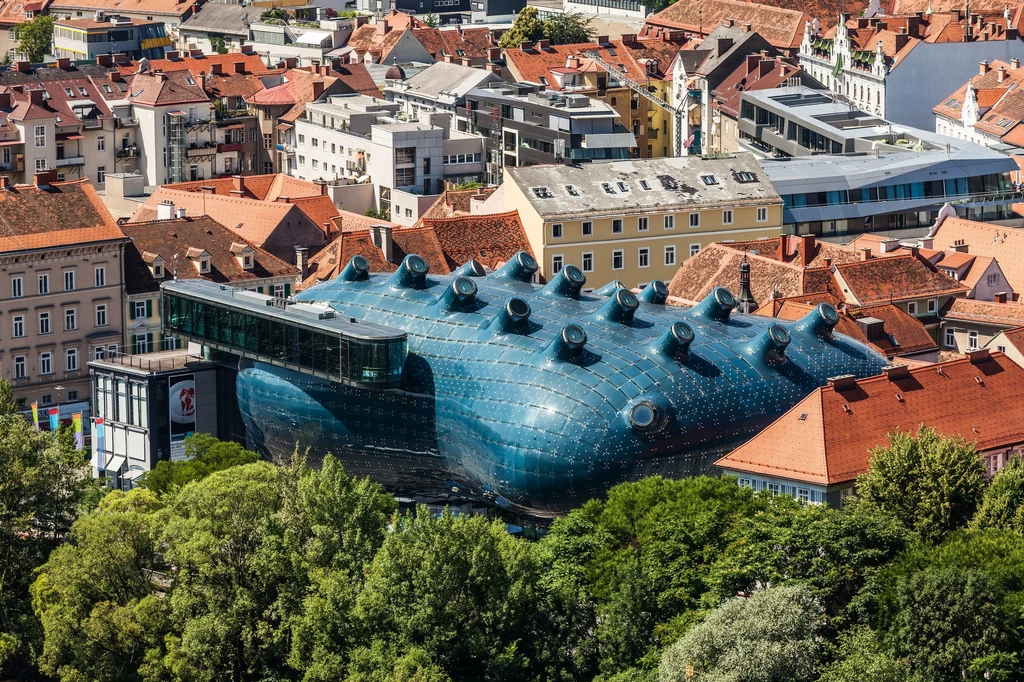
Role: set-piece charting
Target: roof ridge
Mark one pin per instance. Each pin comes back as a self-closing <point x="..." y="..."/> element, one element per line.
<point x="463" y="217"/>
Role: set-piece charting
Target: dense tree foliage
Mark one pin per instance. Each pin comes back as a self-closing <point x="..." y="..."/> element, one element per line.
<point x="930" y="484"/>
<point x="225" y="568"/>
<point x="566" y="28"/>
<point x="42" y="489"/>
<point x="34" y="37"/>
<point x="768" y="637"/>
<point x="527" y="26"/>
<point x="204" y="455"/>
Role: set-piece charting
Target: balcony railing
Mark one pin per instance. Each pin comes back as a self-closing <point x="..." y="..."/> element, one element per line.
<point x="71" y="161"/>
<point x="228" y="114"/>
<point x="230" y="146"/>
<point x="196" y="152"/>
<point x="127" y="122"/>
<point x="92" y="123"/>
<point x="127" y="152"/>
<point x="286" y="148"/>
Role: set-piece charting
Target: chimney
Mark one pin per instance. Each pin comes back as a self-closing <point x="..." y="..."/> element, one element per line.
<point x="6" y="100"/>
<point x="24" y="67"/>
<point x="729" y="23"/>
<point x="723" y="46"/>
<point x="239" y="67"/>
<point x="380" y="235"/>
<point x="322" y="184"/>
<point x="115" y="76"/>
<point x="165" y="210"/>
<point x="888" y="245"/>
<point x="238" y="182"/>
<point x="1001" y="74"/>
<point x="197" y="54"/>
<point x="318" y="89"/>
<point x="828" y="262"/>
<point x="104" y="60"/>
<point x="959" y="246"/>
<point x="449" y="58"/>
<point x="216" y="69"/>
<point x="43" y="179"/>
<point x="807" y="249"/>
<point x="36" y="96"/>
<point x="362" y="21"/>
<point x="172" y="55"/>
<point x="5" y="182"/>
<point x="207" y="189"/>
<point x="752" y="60"/>
<point x="983" y="67"/>
<point x="120" y="58"/>
<point x="335" y="65"/>
<point x="764" y="67"/>
<point x="526" y="45"/>
<point x="894" y="372"/>
<point x="493" y="53"/>
<point x="544" y="45"/>
<point x="978" y="356"/>
<point x="865" y="253"/>
<point x="301" y="262"/>
<point x="290" y="62"/>
<point x="927" y="243"/>
<point x="284" y="200"/>
<point x="64" y="63"/>
<point x="629" y="39"/>
<point x="602" y="41"/>
<point x="1014" y="64"/>
<point x="180" y="212"/>
<point x="872" y="328"/>
<point x="1001" y="297"/>
<point x="247" y="49"/>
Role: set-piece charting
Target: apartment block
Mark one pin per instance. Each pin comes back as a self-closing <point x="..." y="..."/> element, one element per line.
<point x="60" y="294"/>
<point x="109" y="34"/>
<point x="638" y="220"/>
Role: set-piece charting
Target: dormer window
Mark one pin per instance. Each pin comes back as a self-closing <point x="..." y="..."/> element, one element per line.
<point x="200" y="259"/>
<point x="244" y="254"/>
<point x="158" y="271"/>
<point x="155" y="263"/>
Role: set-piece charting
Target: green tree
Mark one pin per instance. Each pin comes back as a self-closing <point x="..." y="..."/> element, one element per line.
<point x="766" y="638"/>
<point x="204" y="455"/>
<point x="462" y="590"/>
<point x="218" y="44"/>
<point x="430" y="20"/>
<point x="1003" y="503"/>
<point x="930" y="484"/>
<point x="638" y="563"/>
<point x="43" y="487"/>
<point x="526" y="27"/>
<point x="34" y="37"/>
<point x="95" y="596"/>
<point x="862" y="657"/>
<point x="566" y="28"/>
<point x="379" y="214"/>
<point x="833" y="552"/>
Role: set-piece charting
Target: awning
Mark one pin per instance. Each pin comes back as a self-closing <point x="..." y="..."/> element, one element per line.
<point x="233" y="126"/>
<point x="312" y="37"/>
<point x="116" y="462"/>
<point x="69" y="136"/>
<point x="134" y="474"/>
<point x="605" y="140"/>
<point x="283" y="126"/>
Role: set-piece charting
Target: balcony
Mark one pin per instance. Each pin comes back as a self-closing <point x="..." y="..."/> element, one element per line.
<point x="93" y="123"/>
<point x="199" y="152"/>
<point x="127" y="122"/>
<point x="230" y="147"/>
<point x="71" y="161"/>
<point x="127" y="152"/>
<point x="286" y="148"/>
<point x="229" y="114"/>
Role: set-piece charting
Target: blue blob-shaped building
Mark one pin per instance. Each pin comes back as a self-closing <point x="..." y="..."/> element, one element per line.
<point x="540" y="397"/>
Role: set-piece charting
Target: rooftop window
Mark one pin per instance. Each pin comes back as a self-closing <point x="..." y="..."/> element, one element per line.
<point x="709" y="179"/>
<point x="668" y="182"/>
<point x="645" y="185"/>
<point x="622" y="186"/>
<point x="572" y="190"/>
<point x="543" y="193"/>
<point x="746" y="176"/>
<point x="607" y="187"/>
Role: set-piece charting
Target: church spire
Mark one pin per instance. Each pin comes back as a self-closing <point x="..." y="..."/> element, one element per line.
<point x="746" y="302"/>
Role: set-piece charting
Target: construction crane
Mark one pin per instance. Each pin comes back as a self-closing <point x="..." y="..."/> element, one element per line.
<point x="677" y="112"/>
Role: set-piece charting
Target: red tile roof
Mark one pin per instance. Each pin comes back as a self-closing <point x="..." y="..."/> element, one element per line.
<point x="783" y="28"/>
<point x="986" y="312"/>
<point x="755" y="73"/>
<point x="175" y="8"/>
<point x="1004" y="244"/>
<point x="490" y="239"/>
<point x="531" y="65"/>
<point x="333" y="258"/>
<point x="827" y="437"/>
<point x="166" y="88"/>
<point x="898" y="278"/>
<point x="252" y="63"/>
<point x="471" y="42"/>
<point x="455" y="202"/>
<point x="170" y="238"/>
<point x="63" y="214"/>
<point x="12" y="13"/>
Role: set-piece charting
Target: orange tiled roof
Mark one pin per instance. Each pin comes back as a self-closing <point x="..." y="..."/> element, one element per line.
<point x="1004" y="244"/>
<point x="347" y="221"/>
<point x="170" y="238"/>
<point x="490" y="239"/>
<point x="333" y="258"/>
<point x="16" y="12"/>
<point x="897" y="278"/>
<point x="175" y="8"/>
<point x="531" y="65"/>
<point x="63" y="214"/>
<point x="827" y="437"/>
<point x="252" y="63"/>
<point x="471" y="42"/>
<point x="988" y="312"/>
<point x="783" y="28"/>
<point x="166" y="88"/>
<point x="1015" y="337"/>
<point x="754" y="73"/>
<point x="319" y="209"/>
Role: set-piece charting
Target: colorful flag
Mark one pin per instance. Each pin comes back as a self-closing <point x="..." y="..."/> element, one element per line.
<point x="35" y="415"/>
<point x="76" y="420"/>
<point x="54" y="419"/>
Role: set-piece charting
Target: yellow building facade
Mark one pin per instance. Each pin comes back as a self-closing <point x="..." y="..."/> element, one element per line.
<point x="600" y="218"/>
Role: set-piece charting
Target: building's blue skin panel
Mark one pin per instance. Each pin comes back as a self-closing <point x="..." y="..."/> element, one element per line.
<point x="511" y="412"/>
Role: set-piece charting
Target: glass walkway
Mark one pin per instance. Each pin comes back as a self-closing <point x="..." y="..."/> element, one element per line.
<point x="302" y="337"/>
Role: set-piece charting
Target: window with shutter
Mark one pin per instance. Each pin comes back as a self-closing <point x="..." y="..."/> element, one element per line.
<point x="149" y="308"/>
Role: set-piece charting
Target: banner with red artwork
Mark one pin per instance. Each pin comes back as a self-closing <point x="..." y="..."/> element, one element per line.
<point x="182" y="407"/>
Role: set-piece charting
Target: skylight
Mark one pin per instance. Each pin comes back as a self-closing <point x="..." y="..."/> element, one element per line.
<point x="645" y="185"/>
<point x="622" y="186"/>
<point x="543" y="193"/>
<point x="668" y="182"/>
<point x="746" y="176"/>
<point x="82" y="91"/>
<point x="607" y="187"/>
<point x="709" y="179"/>
<point x="190" y="81"/>
<point x="572" y="190"/>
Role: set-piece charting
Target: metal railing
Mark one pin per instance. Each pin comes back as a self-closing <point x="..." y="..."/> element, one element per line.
<point x="159" y="361"/>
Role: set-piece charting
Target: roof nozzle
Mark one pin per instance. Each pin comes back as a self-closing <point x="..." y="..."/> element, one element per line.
<point x="716" y="306"/>
<point x="411" y="274"/>
<point x="470" y="268"/>
<point x="357" y="270"/>
<point x="610" y="288"/>
<point x="459" y="296"/>
<point x="770" y="345"/>
<point x="569" y="343"/>
<point x="675" y="342"/>
<point x="513" y="317"/>
<point x="656" y="292"/>
<point x="619" y="308"/>
<point x="820" y="321"/>
<point x="568" y="283"/>
<point x="521" y="267"/>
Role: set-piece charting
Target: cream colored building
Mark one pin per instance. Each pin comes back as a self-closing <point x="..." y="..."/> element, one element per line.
<point x="61" y="291"/>
<point x="636" y="221"/>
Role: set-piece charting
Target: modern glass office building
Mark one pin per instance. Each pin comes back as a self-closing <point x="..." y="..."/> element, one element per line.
<point x="535" y="397"/>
